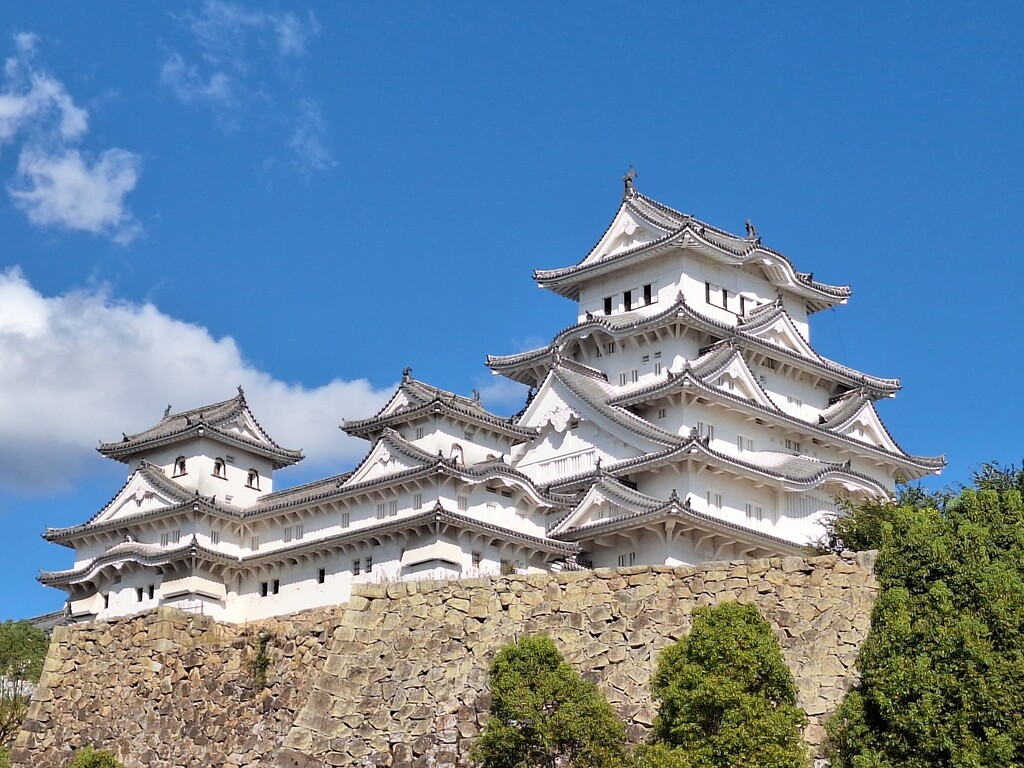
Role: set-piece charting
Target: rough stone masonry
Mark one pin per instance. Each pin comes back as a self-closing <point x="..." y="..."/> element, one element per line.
<point x="398" y="676"/>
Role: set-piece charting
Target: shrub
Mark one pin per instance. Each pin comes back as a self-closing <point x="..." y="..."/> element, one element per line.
<point x="88" y="757"/>
<point x="543" y="714"/>
<point x="726" y="697"/>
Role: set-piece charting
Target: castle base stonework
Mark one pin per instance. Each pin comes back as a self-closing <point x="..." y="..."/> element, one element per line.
<point x="398" y="676"/>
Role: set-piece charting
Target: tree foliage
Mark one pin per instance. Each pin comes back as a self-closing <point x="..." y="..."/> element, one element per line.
<point x="22" y="651"/>
<point x="942" y="669"/>
<point x="88" y="757"/>
<point x="726" y="697"/>
<point x="543" y="714"/>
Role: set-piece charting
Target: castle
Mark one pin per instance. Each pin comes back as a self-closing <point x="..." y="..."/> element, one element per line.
<point x="684" y="416"/>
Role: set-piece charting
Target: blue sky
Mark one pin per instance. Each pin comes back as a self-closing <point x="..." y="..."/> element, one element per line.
<point x="304" y="200"/>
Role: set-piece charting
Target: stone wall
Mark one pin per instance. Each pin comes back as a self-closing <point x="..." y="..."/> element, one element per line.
<point x="168" y="689"/>
<point x="404" y="680"/>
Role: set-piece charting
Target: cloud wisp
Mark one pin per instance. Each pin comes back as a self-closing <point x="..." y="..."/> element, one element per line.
<point x="82" y="367"/>
<point x="57" y="184"/>
<point x="242" y="61"/>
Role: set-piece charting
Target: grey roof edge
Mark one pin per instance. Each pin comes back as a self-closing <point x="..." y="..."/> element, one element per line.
<point x="688" y="222"/>
<point x="373" y="424"/>
<point x="680" y="308"/>
<point x="691" y="377"/>
<point x="124" y="450"/>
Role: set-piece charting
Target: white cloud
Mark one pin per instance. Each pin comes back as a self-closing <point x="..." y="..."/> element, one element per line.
<point x="68" y="191"/>
<point x="82" y="367"/>
<point x="309" y="140"/>
<point x="243" y="57"/>
<point x="55" y="184"/>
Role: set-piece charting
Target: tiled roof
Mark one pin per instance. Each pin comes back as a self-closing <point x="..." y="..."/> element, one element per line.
<point x="425" y="400"/>
<point x="207" y="421"/>
<point x="643" y="319"/>
<point x="698" y="374"/>
<point x="682" y="510"/>
<point x="680" y="227"/>
<point x="802" y="471"/>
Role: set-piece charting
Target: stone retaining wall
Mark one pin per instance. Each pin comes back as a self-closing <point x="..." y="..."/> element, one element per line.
<point x="398" y="677"/>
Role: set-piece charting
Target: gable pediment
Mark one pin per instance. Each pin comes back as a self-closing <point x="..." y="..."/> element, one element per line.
<point x="627" y="231"/>
<point x="387" y="457"/>
<point x="866" y="426"/>
<point x="603" y="502"/>
<point x="737" y="379"/>
<point x="783" y="333"/>
<point x="139" y="496"/>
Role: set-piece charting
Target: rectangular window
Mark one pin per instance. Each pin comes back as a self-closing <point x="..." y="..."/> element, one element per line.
<point x="355" y="567"/>
<point x="380" y="511"/>
<point x="463" y="502"/>
<point x="152" y="591"/>
<point x="417" y="500"/>
<point x="300" y="530"/>
<point x="288" y="534"/>
<point x="623" y="379"/>
<point x="634" y="375"/>
<point x="792" y="445"/>
<point x="744" y="444"/>
<point x="264" y="589"/>
<point x="706" y="430"/>
<point x="627" y="300"/>
<point x="657" y="369"/>
<point x="609" y="347"/>
<point x="716" y="296"/>
<point x="645" y="359"/>
<point x="794" y="401"/>
<point x="164" y="539"/>
<point x="476" y="559"/>
<point x="346" y="519"/>
<point x="369" y="564"/>
<point x="648" y="294"/>
<point x="254" y="543"/>
<point x="607" y="305"/>
<point x="762" y="380"/>
<point x="714" y="500"/>
<point x="321" y="576"/>
<point x="138" y="594"/>
<point x="661" y="413"/>
<point x="627" y="559"/>
<point x="215" y="537"/>
<point x="393" y="507"/>
<point x="755" y="512"/>
<point x="106" y="601"/>
<point x="770" y="364"/>
<point x="419" y="433"/>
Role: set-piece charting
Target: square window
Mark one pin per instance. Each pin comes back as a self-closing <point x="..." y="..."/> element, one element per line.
<point x="419" y="433"/>
<point x="609" y="347"/>
<point x="627" y="559"/>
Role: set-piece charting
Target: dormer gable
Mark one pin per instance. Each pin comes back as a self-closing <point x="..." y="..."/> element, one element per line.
<point x="854" y="416"/>
<point x="389" y="456"/>
<point x="146" y="491"/>
<point x="779" y="329"/>
<point x="627" y="230"/>
<point x="606" y="499"/>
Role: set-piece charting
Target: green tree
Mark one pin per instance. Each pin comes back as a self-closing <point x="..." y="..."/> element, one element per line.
<point x="88" y="757"/>
<point x="942" y="669"/>
<point x="22" y="651"/>
<point x="726" y="697"/>
<point x="543" y="714"/>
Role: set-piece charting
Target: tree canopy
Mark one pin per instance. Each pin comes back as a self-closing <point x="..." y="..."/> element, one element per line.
<point x="22" y="651"/>
<point x="543" y="714"/>
<point x="726" y="697"/>
<point x="942" y="669"/>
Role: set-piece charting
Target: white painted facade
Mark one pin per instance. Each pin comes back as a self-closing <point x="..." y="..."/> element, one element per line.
<point x="683" y="417"/>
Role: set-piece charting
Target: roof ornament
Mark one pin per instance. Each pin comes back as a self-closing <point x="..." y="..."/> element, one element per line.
<point x="751" y="231"/>
<point x="167" y="411"/>
<point x="406" y="373"/>
<point x="476" y="396"/>
<point x="241" y="392"/>
<point x="590" y="315"/>
<point x="530" y="395"/>
<point x="627" y="181"/>
<point x="124" y="438"/>
<point x="673" y="496"/>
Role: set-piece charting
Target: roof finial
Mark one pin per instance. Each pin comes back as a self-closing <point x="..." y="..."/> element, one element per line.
<point x="476" y="395"/>
<point x="167" y="411"/>
<point x="241" y="392"/>
<point x="627" y="180"/>
<point x="751" y="230"/>
<point x="406" y="373"/>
